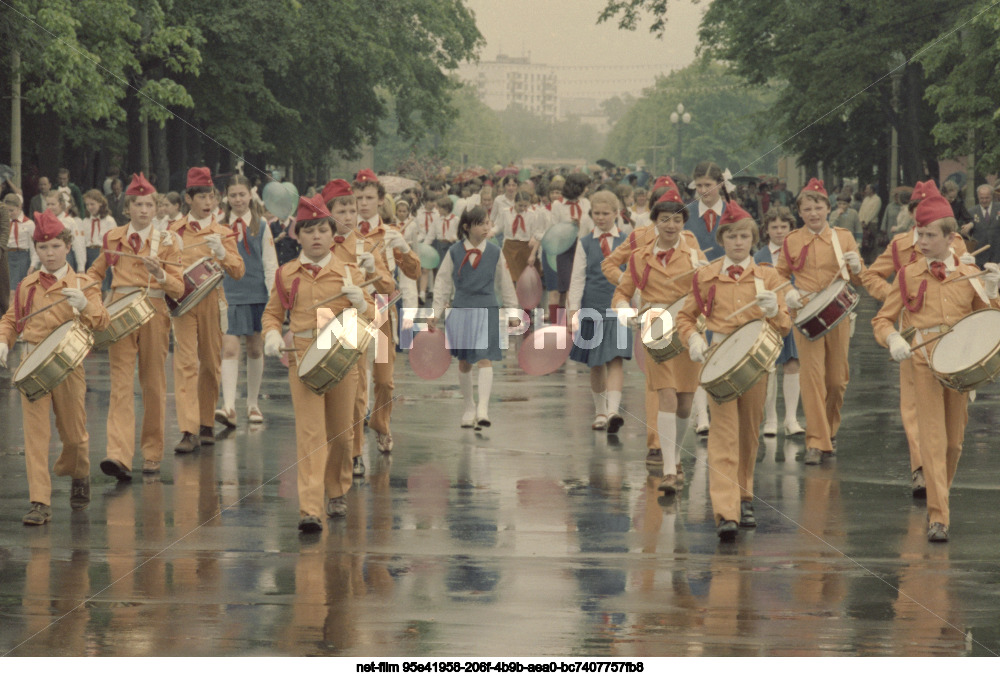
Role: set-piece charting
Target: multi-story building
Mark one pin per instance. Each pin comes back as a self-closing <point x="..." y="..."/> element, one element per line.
<point x="511" y="81"/>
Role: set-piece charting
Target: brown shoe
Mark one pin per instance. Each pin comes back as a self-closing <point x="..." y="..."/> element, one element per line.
<point x="668" y="484"/>
<point x="680" y="475"/>
<point x="189" y="443"/>
<point x="116" y="469"/>
<point x="813" y="456"/>
<point x="38" y="515"/>
<point x="150" y="467"/>
<point x="919" y="484"/>
<point x="654" y="458"/>
<point x="207" y="435"/>
<point x="79" y="493"/>
<point x="336" y="507"/>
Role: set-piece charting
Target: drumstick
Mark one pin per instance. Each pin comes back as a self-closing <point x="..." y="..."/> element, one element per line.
<point x="967" y="277"/>
<point x="979" y="250"/>
<point x="691" y="271"/>
<point x="927" y="342"/>
<point x="205" y="243"/>
<point x="131" y="255"/>
<point x="750" y="305"/>
<point x="61" y="300"/>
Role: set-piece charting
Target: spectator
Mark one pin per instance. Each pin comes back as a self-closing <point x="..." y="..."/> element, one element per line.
<point x="75" y="194"/>
<point x="116" y="203"/>
<point x="113" y="173"/>
<point x="38" y="201"/>
<point x="781" y="195"/>
<point x="868" y="215"/>
<point x="845" y="217"/>
<point x="985" y="226"/>
<point x="952" y="193"/>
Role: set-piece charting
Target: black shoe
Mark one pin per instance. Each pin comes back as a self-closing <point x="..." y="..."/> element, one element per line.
<point x="747" y="518"/>
<point x="115" y="469"/>
<point x="919" y="485"/>
<point x="189" y="443"/>
<point x="654" y="458"/>
<point x="938" y="532"/>
<point x="310" y="524"/>
<point x="615" y="422"/>
<point x="359" y="466"/>
<point x="39" y="515"/>
<point x="79" y="493"/>
<point x="336" y="507"/>
<point x="727" y="531"/>
<point x="207" y="435"/>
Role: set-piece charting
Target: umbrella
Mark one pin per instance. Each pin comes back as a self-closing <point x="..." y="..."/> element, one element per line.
<point x="506" y="171"/>
<point x="469" y="174"/>
<point x="397" y="184"/>
<point x="607" y="164"/>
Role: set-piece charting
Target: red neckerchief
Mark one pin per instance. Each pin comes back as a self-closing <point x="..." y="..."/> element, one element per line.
<point x="474" y="263"/>
<point x="46" y="279"/>
<point x="665" y="256"/>
<point x="705" y="307"/>
<point x="16" y="222"/>
<point x="738" y="269"/>
<point x="111" y="259"/>
<point x="427" y="222"/>
<point x="95" y="224"/>
<point x="287" y="299"/>
<point x="939" y="270"/>
<point x="21" y="311"/>
<point x="135" y="243"/>
<point x="240" y="229"/>
<point x="605" y="244"/>
<point x="519" y="221"/>
<point x="575" y="210"/>
<point x="710" y="222"/>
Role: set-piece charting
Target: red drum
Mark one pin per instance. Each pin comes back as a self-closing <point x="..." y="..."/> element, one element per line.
<point x="200" y="278"/>
<point x="826" y="309"/>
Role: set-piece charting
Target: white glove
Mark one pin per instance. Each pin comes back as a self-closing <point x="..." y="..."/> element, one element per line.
<point x="355" y="295"/>
<point x="768" y="302"/>
<point x="853" y="261"/>
<point x="700" y="264"/>
<point x="215" y="246"/>
<point x="166" y="238"/>
<point x="75" y="298"/>
<point x="991" y="280"/>
<point x="395" y="240"/>
<point x="627" y="316"/>
<point x="273" y="344"/>
<point x="967" y="259"/>
<point x="366" y="262"/>
<point x="697" y="347"/>
<point x="793" y="299"/>
<point x="4" y="349"/>
<point x="898" y="347"/>
<point x="574" y="320"/>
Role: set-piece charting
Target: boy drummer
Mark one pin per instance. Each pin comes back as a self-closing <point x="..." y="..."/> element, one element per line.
<point x="198" y="332"/>
<point x="54" y="282"/>
<point x="922" y="299"/>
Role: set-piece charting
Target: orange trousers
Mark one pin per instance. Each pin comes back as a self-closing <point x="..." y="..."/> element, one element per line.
<point x="942" y="414"/>
<point x="384" y="351"/>
<point x="197" y="364"/>
<point x="908" y="412"/>
<point x="732" y="450"/>
<point x="66" y="400"/>
<point x="323" y="437"/>
<point x="150" y="343"/>
<point x="823" y="375"/>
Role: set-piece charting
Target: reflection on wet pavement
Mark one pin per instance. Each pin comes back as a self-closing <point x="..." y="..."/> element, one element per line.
<point x="536" y="537"/>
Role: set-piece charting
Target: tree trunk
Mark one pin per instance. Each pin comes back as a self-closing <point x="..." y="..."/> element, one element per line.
<point x="133" y="155"/>
<point x="15" y="116"/>
<point x="911" y="156"/>
<point x="161" y="161"/>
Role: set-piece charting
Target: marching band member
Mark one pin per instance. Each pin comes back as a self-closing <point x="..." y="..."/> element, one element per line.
<point x="900" y="252"/>
<point x="816" y="255"/>
<point x="150" y="343"/>
<point x="652" y="270"/>
<point x="719" y="290"/>
<point x="198" y="332"/>
<point x="921" y="299"/>
<point x="55" y="281"/>
<point x="323" y="423"/>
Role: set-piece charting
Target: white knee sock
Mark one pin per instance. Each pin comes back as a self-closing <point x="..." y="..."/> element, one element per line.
<point x="600" y="403"/>
<point x="700" y="406"/>
<point x="230" y="373"/>
<point x="465" y="385"/>
<point x="485" y="387"/>
<point x="666" y="427"/>
<point x="682" y="428"/>
<point x="255" y="373"/>
<point x="614" y="401"/>
<point x="771" y="400"/>
<point x="790" y="389"/>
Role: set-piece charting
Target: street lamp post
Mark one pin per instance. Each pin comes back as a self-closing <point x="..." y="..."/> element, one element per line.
<point x="678" y="118"/>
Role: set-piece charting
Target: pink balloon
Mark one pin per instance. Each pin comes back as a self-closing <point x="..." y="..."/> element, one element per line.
<point x="289" y="342"/>
<point x="639" y="352"/>
<point x="550" y="353"/>
<point x="529" y="288"/>
<point x="429" y="358"/>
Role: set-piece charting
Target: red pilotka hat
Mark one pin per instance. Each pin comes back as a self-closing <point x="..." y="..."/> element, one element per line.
<point x="734" y="212"/>
<point x="47" y="226"/>
<point x="311" y="209"/>
<point x="338" y="187"/>
<point x="671" y="196"/>
<point x="933" y="207"/>
<point x="665" y="182"/>
<point x="921" y="190"/>
<point x="140" y="186"/>
<point x="815" y="185"/>
<point x="199" y="177"/>
<point x="365" y="176"/>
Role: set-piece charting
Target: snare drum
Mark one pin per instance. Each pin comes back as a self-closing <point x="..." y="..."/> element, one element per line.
<point x="128" y="314"/>
<point x="969" y="355"/>
<point x="669" y="344"/>
<point x="200" y="278"/>
<point x="826" y="309"/>
<point x="320" y="369"/>
<point x="53" y="359"/>
<point x="738" y="362"/>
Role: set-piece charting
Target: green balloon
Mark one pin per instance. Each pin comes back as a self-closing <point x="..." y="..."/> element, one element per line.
<point x="429" y="257"/>
<point x="559" y="238"/>
<point x="281" y="199"/>
<point x="552" y="260"/>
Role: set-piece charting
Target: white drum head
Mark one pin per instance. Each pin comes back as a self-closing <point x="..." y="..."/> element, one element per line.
<point x="659" y="329"/>
<point x="820" y="300"/>
<point x="970" y="341"/>
<point x="731" y="350"/>
<point x="312" y="357"/>
<point x="42" y="351"/>
<point x="123" y="302"/>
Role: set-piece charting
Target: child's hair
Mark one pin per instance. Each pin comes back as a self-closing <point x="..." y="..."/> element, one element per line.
<point x="487" y="190"/>
<point x="340" y="199"/>
<point x="56" y="194"/>
<point x="471" y="217"/>
<point x="174" y="198"/>
<point x="812" y="196"/>
<point x="557" y="183"/>
<point x="445" y="204"/>
<point x="508" y="179"/>
<point x="776" y="213"/>
<point x="522" y="196"/>
<point x="386" y="212"/>
<point x="402" y="202"/>
<point x="361" y="185"/>
<point x="574" y="186"/>
<point x="605" y="197"/>
<point x="66" y="236"/>
<point x="712" y="171"/>
<point x="748" y="223"/>
<point x="624" y="191"/>
<point x="302" y="225"/>
<point x="948" y="225"/>
<point x="199" y="190"/>
<point x="430" y="196"/>
<point x="255" y="211"/>
<point x="657" y="208"/>
<point x="98" y="196"/>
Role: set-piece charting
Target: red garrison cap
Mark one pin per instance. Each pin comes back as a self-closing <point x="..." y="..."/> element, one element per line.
<point x="140" y="186"/>
<point x="815" y="185"/>
<point x="311" y="209"/>
<point x="922" y="190"/>
<point x="198" y="177"/>
<point x="47" y="226"/>
<point x="933" y="207"/>
<point x="338" y="187"/>
<point x="665" y="182"/>
<point x="734" y="212"/>
<point x="366" y="175"/>
<point x="671" y="195"/>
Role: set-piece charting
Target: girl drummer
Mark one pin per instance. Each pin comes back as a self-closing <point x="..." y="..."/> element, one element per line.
<point x="246" y="298"/>
<point x="323" y="422"/>
<point x="658" y="271"/>
<point x="818" y="255"/>
<point x="920" y="299"/>
<point x="474" y="272"/>
<point x="599" y="342"/>
<point x="777" y="224"/>
<point x="56" y="281"/>
<point x="718" y="291"/>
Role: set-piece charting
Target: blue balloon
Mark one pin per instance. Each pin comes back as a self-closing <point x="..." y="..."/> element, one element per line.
<point x="552" y="260"/>
<point x="429" y="257"/>
<point x="559" y="238"/>
<point x="281" y="199"/>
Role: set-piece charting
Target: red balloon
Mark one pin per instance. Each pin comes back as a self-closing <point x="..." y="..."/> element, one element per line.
<point x="554" y="344"/>
<point x="529" y="288"/>
<point x="639" y="352"/>
<point x="289" y="342"/>
<point x="429" y="358"/>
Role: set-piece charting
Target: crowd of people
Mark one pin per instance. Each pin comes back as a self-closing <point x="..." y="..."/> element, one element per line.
<point x="215" y="270"/>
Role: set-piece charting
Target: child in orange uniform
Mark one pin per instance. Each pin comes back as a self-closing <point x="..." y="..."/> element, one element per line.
<point x="54" y="282"/>
<point x="718" y="291"/>
<point x="198" y="332"/>
<point x="323" y="422"/>
<point x="921" y="299"/>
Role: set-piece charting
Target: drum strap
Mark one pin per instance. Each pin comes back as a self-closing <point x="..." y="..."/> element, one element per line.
<point x="839" y="253"/>
<point x="287" y="299"/>
<point x="977" y="285"/>
<point x="22" y="310"/>
<point x="693" y="254"/>
<point x="758" y="281"/>
<point x="154" y="242"/>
